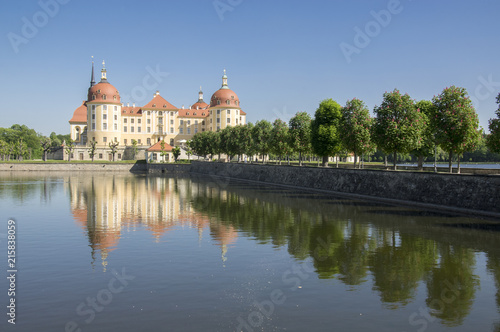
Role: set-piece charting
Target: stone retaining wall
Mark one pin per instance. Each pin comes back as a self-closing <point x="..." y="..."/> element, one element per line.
<point x="459" y="191"/>
<point x="73" y="167"/>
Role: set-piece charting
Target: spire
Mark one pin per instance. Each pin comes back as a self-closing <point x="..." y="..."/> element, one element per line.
<point x="200" y="96"/>
<point x="224" y="81"/>
<point x="103" y="73"/>
<point x="92" y="81"/>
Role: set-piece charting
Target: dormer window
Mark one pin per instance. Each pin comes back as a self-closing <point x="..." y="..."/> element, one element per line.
<point x="194" y="113"/>
<point x="103" y="97"/>
<point x="232" y="97"/>
<point x="165" y="106"/>
<point x="114" y="97"/>
<point x="154" y="105"/>
<point x="187" y="113"/>
<point x="203" y="114"/>
<point x="93" y="97"/>
<point x="218" y="102"/>
<point x="99" y="91"/>
<point x="228" y="102"/>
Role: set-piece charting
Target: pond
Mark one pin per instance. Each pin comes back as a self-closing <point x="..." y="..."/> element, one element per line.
<point x="124" y="252"/>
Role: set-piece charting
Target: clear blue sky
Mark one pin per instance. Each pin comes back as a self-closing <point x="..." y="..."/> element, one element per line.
<point x="281" y="56"/>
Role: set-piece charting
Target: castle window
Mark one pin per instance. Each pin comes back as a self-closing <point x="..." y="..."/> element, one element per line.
<point x="131" y="120"/>
<point x="104" y="107"/>
<point x="104" y="126"/>
<point x="171" y="121"/>
<point x="195" y="130"/>
<point x="181" y="122"/>
<point x="105" y="139"/>
<point x="131" y="129"/>
<point x="119" y="156"/>
<point x="116" y="126"/>
<point x="131" y="111"/>
<point x="116" y="140"/>
<point x="228" y="120"/>
<point x="196" y="122"/>
<point x="189" y="131"/>
<point x="139" y="141"/>
<point x="181" y="131"/>
<point x="138" y="129"/>
<point x="104" y="116"/>
<point x="103" y="97"/>
<point x="236" y="121"/>
<point x="93" y="107"/>
<point x="189" y="122"/>
<point x="165" y="106"/>
<point x="218" y="102"/>
<point x="154" y="105"/>
<point x="100" y="155"/>
<point x="148" y="121"/>
<point x="171" y="130"/>
<point x="124" y="120"/>
<point x="138" y="120"/>
<point x="228" y="112"/>
<point x="203" y="122"/>
<point x="124" y="142"/>
<point x="99" y="91"/>
<point x="187" y="113"/>
<point x="116" y="117"/>
<point x="160" y="113"/>
<point x="93" y="116"/>
<point x="218" y="112"/>
<point x="228" y="102"/>
<point x="171" y="113"/>
<point x="203" y="114"/>
<point x="125" y="129"/>
<point x="149" y="112"/>
<point x="93" y="126"/>
<point x="148" y="129"/>
<point x="148" y="141"/>
<point x="93" y="98"/>
<point x="114" y="97"/>
<point x="194" y="113"/>
<point x="218" y="120"/>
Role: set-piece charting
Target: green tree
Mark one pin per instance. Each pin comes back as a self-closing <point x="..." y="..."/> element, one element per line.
<point x="493" y="140"/>
<point x="4" y="150"/>
<point x="114" y="148"/>
<point x="456" y="123"/>
<point x="163" y="153"/>
<point x="134" y="148"/>
<point x="70" y="145"/>
<point x="427" y="144"/>
<point x="280" y="139"/>
<point x="176" y="151"/>
<point x="398" y="125"/>
<point x="300" y="134"/>
<point x="356" y="126"/>
<point x="189" y="150"/>
<point x="261" y="137"/>
<point x="92" y="149"/>
<point x="325" y="130"/>
<point x="46" y="143"/>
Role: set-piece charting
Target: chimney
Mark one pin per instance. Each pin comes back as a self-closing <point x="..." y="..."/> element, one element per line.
<point x="128" y="104"/>
<point x="157" y="93"/>
<point x="133" y="105"/>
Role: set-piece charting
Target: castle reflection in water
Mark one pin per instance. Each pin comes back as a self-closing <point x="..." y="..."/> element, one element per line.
<point x="105" y="206"/>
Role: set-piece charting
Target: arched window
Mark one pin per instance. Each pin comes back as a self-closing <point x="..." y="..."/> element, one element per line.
<point x="93" y="97"/>
<point x="228" y="102"/>
<point x="103" y="97"/>
<point x="218" y="102"/>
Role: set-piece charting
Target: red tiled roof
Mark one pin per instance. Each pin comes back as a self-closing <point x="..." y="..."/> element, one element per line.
<point x="193" y="113"/>
<point x="159" y="103"/>
<point x="223" y="95"/>
<point x="80" y="114"/>
<point x="199" y="105"/>
<point x="243" y="113"/>
<point x="157" y="147"/>
<point x="131" y="111"/>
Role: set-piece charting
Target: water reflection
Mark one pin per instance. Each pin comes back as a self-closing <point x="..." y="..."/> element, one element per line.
<point x="398" y="251"/>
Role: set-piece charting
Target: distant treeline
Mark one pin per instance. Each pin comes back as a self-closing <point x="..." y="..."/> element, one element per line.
<point x="22" y="143"/>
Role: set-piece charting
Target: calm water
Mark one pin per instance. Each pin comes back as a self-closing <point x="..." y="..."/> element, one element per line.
<point x="142" y="253"/>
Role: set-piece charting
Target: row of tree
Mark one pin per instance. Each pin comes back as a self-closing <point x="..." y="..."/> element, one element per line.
<point x="400" y="126"/>
<point x="20" y="142"/>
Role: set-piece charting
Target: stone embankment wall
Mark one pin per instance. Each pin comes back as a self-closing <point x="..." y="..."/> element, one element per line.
<point x="73" y="167"/>
<point x="463" y="193"/>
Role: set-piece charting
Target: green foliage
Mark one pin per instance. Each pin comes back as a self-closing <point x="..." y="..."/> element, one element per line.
<point x="300" y="133"/>
<point x="456" y="121"/>
<point x="261" y="137"/>
<point x="493" y="140"/>
<point x="92" y="149"/>
<point x="399" y="125"/>
<point x="31" y="141"/>
<point x="114" y="148"/>
<point x="176" y="151"/>
<point x="134" y="148"/>
<point x="325" y="130"/>
<point x="280" y="138"/>
<point x="356" y="126"/>
<point x="57" y="140"/>
<point x="70" y="145"/>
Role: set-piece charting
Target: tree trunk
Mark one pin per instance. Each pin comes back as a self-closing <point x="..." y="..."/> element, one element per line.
<point x="355" y="156"/>
<point x="337" y="160"/>
<point x="385" y="160"/>
<point x="420" y="163"/>
<point x="325" y="161"/>
<point x="395" y="160"/>
<point x="450" y="164"/>
<point x="458" y="165"/>
<point x="300" y="158"/>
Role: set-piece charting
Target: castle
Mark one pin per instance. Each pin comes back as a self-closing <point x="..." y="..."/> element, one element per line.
<point x="103" y="118"/>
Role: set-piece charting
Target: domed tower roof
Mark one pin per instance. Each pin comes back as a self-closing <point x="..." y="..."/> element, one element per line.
<point x="225" y="97"/>
<point x="200" y="104"/>
<point x="102" y="91"/>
